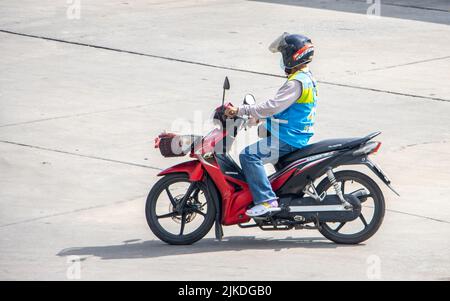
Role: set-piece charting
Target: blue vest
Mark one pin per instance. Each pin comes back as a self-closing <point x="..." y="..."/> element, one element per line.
<point x="294" y="125"/>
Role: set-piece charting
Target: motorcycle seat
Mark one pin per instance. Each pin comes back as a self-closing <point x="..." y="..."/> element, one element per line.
<point x="322" y="147"/>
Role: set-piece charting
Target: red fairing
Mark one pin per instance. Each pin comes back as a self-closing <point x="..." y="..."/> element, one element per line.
<point x="234" y="203"/>
<point x="209" y="142"/>
<point x="192" y="168"/>
<point x="280" y="180"/>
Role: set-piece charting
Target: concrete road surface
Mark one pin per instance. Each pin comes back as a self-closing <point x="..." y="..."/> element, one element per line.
<point x="85" y="86"/>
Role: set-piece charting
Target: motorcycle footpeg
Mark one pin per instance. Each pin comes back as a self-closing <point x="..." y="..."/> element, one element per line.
<point x="260" y="218"/>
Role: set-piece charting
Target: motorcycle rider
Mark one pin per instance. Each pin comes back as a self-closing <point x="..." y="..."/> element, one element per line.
<point x="289" y="119"/>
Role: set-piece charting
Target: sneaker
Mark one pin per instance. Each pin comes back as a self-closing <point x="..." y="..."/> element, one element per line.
<point x="263" y="208"/>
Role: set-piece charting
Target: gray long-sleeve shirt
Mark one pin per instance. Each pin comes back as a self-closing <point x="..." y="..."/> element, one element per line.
<point x="286" y="95"/>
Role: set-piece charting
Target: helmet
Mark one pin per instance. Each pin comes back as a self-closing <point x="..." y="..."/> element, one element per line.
<point x="295" y="49"/>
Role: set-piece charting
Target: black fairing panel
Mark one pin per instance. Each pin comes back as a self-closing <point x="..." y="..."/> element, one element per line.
<point x="229" y="167"/>
<point x="298" y="181"/>
<point x="322" y="147"/>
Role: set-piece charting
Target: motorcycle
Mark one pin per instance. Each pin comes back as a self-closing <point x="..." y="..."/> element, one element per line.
<point x="346" y="206"/>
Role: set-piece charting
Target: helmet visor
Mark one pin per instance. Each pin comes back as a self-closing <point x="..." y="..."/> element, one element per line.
<point x="279" y="43"/>
<point x="282" y="65"/>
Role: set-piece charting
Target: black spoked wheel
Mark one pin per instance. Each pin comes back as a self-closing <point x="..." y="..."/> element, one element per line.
<point x="178" y="211"/>
<point x="372" y="208"/>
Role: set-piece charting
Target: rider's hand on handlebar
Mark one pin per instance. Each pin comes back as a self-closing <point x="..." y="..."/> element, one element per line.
<point x="231" y="111"/>
<point x="252" y="121"/>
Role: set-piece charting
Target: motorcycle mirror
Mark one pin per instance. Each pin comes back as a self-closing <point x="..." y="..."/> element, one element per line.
<point x="249" y="99"/>
<point x="226" y="84"/>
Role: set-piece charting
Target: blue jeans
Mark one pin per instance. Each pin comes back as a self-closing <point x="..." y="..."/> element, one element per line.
<point x="253" y="158"/>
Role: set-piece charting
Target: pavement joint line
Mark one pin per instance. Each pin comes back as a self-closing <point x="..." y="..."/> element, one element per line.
<point x="69" y="212"/>
<point x="139" y="197"/>
<point x="386" y="91"/>
<point x="403" y="147"/>
<point x="215" y="66"/>
<point x="151" y="167"/>
<point x="80" y="155"/>
<point x="156" y="168"/>
<point x="78" y="114"/>
<point x="420" y="216"/>
<point x="410" y="63"/>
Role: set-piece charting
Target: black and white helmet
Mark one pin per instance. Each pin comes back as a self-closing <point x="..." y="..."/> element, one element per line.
<point x="296" y="49"/>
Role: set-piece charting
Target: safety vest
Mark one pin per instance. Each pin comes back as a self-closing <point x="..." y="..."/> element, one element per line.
<point x="294" y="125"/>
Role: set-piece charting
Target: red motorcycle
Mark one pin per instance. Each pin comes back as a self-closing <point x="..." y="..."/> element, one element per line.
<point x="346" y="206"/>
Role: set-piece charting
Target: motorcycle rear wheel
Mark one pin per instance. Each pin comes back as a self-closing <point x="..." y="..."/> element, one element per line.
<point x="193" y="209"/>
<point x="377" y="204"/>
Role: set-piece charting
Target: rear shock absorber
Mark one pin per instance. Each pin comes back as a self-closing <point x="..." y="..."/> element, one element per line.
<point x="337" y="189"/>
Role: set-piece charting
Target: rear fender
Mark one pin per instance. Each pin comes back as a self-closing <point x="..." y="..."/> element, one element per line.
<point x="192" y="168"/>
<point x="364" y="160"/>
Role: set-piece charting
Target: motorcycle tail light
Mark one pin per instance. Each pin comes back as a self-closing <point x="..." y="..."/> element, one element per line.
<point x="368" y="148"/>
<point x="376" y="148"/>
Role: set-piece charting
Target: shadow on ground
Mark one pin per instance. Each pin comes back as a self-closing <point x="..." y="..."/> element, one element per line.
<point x="155" y="248"/>
<point x="434" y="11"/>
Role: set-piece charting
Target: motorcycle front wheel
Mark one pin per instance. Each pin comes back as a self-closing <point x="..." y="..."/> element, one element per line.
<point x="372" y="208"/>
<point x="178" y="211"/>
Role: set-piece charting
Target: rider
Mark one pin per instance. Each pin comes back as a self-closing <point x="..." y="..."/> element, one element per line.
<point x="289" y="119"/>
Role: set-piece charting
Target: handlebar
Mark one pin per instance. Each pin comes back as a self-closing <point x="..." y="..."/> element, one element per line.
<point x="238" y="122"/>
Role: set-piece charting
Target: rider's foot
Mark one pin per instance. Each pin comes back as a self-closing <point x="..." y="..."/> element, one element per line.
<point x="263" y="208"/>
